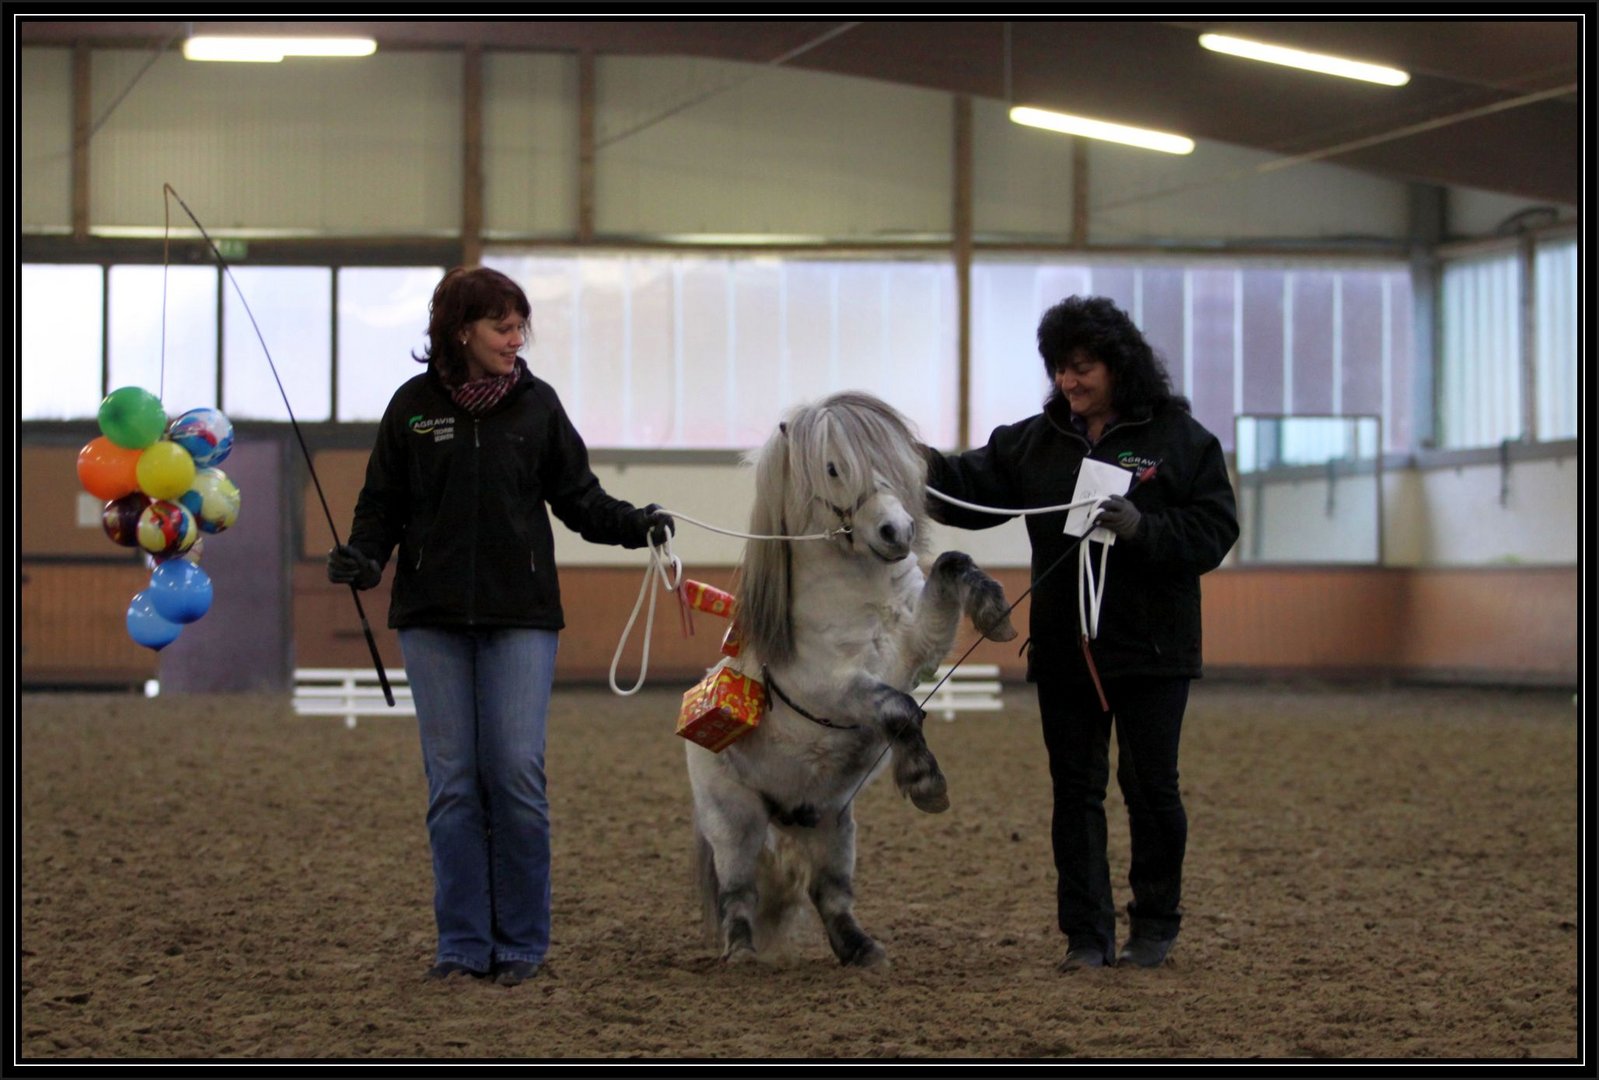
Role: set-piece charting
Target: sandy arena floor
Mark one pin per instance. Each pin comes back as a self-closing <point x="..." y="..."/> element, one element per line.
<point x="1386" y="873"/>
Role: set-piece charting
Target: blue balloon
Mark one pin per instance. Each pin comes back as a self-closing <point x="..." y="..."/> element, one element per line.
<point x="180" y="591"/>
<point x="146" y="627"/>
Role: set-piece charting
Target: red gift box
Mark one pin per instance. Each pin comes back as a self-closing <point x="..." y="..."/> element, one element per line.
<point x="708" y="598"/>
<point x="722" y="707"/>
<point x="702" y="597"/>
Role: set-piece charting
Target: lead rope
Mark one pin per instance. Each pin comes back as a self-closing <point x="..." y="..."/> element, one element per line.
<point x="660" y="558"/>
<point x="1090" y="593"/>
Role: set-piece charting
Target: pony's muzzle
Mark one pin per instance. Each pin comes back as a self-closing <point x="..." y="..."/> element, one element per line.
<point x="893" y="540"/>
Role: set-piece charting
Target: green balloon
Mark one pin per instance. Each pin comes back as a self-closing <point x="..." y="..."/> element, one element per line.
<point x="132" y="417"/>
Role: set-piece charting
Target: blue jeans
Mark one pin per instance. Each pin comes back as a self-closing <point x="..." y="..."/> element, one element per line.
<point x="1147" y="714"/>
<point x="482" y="698"/>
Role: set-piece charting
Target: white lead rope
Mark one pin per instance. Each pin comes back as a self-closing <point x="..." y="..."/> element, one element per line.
<point x="828" y="535"/>
<point x="1090" y="594"/>
<point x="1012" y="513"/>
<point x="660" y="558"/>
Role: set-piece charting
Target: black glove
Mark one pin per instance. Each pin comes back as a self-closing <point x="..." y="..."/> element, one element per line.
<point x="1118" y="514"/>
<point x="658" y="524"/>
<point x="350" y="566"/>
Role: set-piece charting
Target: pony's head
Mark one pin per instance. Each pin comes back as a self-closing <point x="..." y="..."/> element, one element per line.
<point x="850" y="465"/>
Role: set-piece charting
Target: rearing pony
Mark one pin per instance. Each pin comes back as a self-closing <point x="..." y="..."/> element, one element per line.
<point x="839" y="630"/>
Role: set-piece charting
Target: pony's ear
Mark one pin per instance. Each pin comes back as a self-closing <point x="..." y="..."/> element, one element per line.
<point x="763" y="575"/>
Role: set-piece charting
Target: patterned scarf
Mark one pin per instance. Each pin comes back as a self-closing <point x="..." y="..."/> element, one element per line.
<point x="478" y="396"/>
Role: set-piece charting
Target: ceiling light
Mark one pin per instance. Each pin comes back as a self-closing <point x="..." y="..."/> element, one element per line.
<point x="270" y="50"/>
<point x="1327" y="65"/>
<point x="1099" y="129"/>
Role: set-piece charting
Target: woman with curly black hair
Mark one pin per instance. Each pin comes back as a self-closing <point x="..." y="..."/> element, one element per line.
<point x="1110" y="402"/>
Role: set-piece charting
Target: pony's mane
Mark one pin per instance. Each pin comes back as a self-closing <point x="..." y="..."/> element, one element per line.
<point x="865" y="441"/>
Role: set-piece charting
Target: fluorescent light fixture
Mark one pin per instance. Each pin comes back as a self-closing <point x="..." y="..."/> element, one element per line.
<point x="270" y="50"/>
<point x="1309" y="61"/>
<point x="1099" y="129"/>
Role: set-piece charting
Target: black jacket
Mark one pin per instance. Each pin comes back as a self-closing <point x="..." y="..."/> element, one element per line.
<point x="464" y="498"/>
<point x="1150" y="620"/>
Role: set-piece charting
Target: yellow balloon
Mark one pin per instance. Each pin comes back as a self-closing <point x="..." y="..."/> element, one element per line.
<point x="165" y="470"/>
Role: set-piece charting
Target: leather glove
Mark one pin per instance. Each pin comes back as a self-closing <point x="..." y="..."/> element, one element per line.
<point x="1118" y="514"/>
<point x="648" y="525"/>
<point x="348" y="565"/>
<point x="659" y="524"/>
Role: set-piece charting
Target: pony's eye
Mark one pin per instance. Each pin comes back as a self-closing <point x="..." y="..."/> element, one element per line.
<point x="832" y="470"/>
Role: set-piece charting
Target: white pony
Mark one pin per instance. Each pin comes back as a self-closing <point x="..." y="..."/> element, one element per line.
<point x="839" y="630"/>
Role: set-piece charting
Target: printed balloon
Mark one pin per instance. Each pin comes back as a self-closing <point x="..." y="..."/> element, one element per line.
<point x="194" y="553"/>
<point x="120" y="518"/>
<point x="213" y="500"/>
<point x="205" y="433"/>
<point x="166" y="528"/>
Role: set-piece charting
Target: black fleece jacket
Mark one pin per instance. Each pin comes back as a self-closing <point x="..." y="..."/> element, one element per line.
<point x="1150" y="618"/>
<point x="464" y="499"/>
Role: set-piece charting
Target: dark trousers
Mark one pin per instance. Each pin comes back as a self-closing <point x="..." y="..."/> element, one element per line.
<point x="1148" y="718"/>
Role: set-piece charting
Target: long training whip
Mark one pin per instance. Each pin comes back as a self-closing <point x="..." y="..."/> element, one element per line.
<point x="366" y="629"/>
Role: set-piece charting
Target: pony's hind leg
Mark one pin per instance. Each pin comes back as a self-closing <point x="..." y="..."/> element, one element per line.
<point x="732" y="831"/>
<point x="832" y="854"/>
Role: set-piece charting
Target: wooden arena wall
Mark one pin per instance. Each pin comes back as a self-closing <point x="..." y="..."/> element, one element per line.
<point x="1510" y="624"/>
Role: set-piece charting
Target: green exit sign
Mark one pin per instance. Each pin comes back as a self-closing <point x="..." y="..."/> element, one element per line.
<point x="232" y="249"/>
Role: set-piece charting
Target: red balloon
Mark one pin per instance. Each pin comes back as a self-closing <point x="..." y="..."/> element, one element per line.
<point x="108" y="471"/>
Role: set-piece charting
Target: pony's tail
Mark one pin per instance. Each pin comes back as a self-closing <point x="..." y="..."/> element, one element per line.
<point x="707" y="887"/>
<point x="782" y="885"/>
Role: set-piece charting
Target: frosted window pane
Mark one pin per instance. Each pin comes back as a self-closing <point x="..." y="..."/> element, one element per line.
<point x="293" y="309"/>
<point x="694" y="351"/>
<point x="1226" y="331"/>
<point x="1008" y="378"/>
<point x="383" y="318"/>
<point x="62" y="324"/>
<point x="1556" y="340"/>
<point x="185" y="375"/>
<point x="1480" y="370"/>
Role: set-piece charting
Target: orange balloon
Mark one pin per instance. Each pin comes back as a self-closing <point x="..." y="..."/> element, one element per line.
<point x="108" y="471"/>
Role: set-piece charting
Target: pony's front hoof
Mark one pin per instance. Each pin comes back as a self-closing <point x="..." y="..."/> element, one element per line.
<point x="930" y="794"/>
<point x="1000" y="631"/>
<point x="920" y="780"/>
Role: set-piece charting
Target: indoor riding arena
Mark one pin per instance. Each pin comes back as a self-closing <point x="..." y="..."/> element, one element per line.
<point x="1366" y="292"/>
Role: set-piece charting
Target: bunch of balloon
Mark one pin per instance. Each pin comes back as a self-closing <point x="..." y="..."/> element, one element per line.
<point x="162" y="492"/>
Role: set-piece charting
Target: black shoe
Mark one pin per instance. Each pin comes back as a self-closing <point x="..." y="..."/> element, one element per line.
<point x="515" y="972"/>
<point x="1144" y="952"/>
<point x="1083" y="956"/>
<point x="448" y="968"/>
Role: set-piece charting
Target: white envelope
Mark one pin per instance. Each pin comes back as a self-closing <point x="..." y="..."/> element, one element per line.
<point x="1096" y="480"/>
